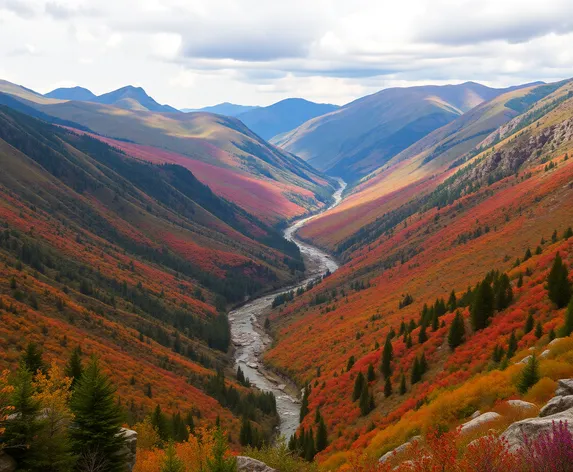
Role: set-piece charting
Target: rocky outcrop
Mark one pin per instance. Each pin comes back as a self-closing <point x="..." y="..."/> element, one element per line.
<point x="130" y="447"/>
<point x="400" y="449"/>
<point x="557" y="405"/>
<point x="564" y="387"/>
<point x="247" y="464"/>
<point x="522" y="405"/>
<point x="483" y="419"/>
<point x="7" y="464"/>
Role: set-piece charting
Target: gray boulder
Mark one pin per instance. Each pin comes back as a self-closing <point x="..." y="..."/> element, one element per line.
<point x="564" y="387"/>
<point x="525" y="360"/>
<point x="557" y="405"/>
<point x="545" y="354"/>
<point x="247" y="464"/>
<point x="7" y="464"/>
<point x="522" y="405"/>
<point x="400" y="449"/>
<point x="533" y="427"/>
<point x="475" y="414"/>
<point x="130" y="447"/>
<point x="483" y="419"/>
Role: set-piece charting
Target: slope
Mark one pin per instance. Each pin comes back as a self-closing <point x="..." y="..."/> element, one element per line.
<point x="363" y="135"/>
<point x="505" y="211"/>
<point x="283" y="116"/>
<point x="72" y="93"/>
<point x="133" y="98"/>
<point x="226" y="109"/>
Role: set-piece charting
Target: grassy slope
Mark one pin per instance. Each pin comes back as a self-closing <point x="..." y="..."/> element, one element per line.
<point x="520" y="209"/>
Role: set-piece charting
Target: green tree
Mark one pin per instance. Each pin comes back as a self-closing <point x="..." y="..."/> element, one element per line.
<point x="220" y="462"/>
<point x="246" y="437"/>
<point x="558" y="283"/>
<point x="403" y="385"/>
<point x="172" y="463"/>
<point x="321" y="436"/>
<point x="529" y="375"/>
<point x="364" y="401"/>
<point x="538" y="330"/>
<point x="387" y="356"/>
<point x="159" y="422"/>
<point x="358" y="386"/>
<point x="310" y="450"/>
<point x="481" y="309"/>
<point x="511" y="346"/>
<point x="416" y="375"/>
<point x="96" y="435"/>
<point x="422" y="336"/>
<point x="457" y="331"/>
<point x="387" y="387"/>
<point x="304" y="403"/>
<point x="74" y="367"/>
<point x="567" y="328"/>
<point x="529" y="324"/>
<point x="371" y="375"/>
<point x="503" y="292"/>
<point x="32" y="358"/>
<point x="452" y="302"/>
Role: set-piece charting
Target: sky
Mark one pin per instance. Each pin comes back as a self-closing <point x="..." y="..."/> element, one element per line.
<point x="195" y="53"/>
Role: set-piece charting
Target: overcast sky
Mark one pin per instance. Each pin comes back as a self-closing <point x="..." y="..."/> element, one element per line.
<point x="193" y="53"/>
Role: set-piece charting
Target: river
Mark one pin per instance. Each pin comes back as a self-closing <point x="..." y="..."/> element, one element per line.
<point x="250" y="339"/>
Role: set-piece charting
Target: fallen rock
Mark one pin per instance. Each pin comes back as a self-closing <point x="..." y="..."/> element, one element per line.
<point x="522" y="405"/>
<point x="564" y="387"/>
<point x="485" y="418"/>
<point x="7" y="464"/>
<point x="557" y="405"/>
<point x="531" y="428"/>
<point x="400" y="449"/>
<point x="248" y="464"/>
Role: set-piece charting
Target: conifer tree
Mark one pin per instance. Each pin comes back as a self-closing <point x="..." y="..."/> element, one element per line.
<point x="321" y="436"/>
<point x="538" y="330"/>
<point x="310" y="450"/>
<point x="387" y="356"/>
<point x="74" y="367"/>
<point x="498" y="353"/>
<point x="358" y="386"/>
<point x="364" y="401"/>
<point x="435" y="321"/>
<point x="551" y="334"/>
<point x="403" y="385"/>
<point x="520" y="280"/>
<point x="97" y="419"/>
<point x="350" y="363"/>
<point x="246" y="434"/>
<point x="511" y="346"/>
<point x="388" y="387"/>
<point x="172" y="463"/>
<point x="527" y="255"/>
<point x="423" y="364"/>
<point x="422" y="336"/>
<point x="179" y="431"/>
<point x="568" y="326"/>
<point x="32" y="358"/>
<point x="481" y="309"/>
<point x="219" y="462"/>
<point x="159" y="422"/>
<point x="457" y="331"/>
<point x="558" y="283"/>
<point x="304" y="403"/>
<point x="503" y="292"/>
<point x="452" y="302"/>
<point x="416" y="375"/>
<point x="371" y="375"/>
<point x="409" y="341"/>
<point x="529" y="376"/>
<point x="529" y="324"/>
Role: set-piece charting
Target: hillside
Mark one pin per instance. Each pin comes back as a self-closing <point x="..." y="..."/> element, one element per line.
<point x="283" y="116"/>
<point x="136" y="263"/>
<point x="260" y="178"/>
<point x="363" y="135"/>
<point x="226" y="109"/>
<point x="72" y="93"/>
<point x="478" y="247"/>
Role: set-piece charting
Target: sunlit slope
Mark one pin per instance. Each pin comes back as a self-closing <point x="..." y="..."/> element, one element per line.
<point x="515" y="195"/>
<point x="360" y="137"/>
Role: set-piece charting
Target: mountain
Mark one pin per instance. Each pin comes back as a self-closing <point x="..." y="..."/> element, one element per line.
<point x="445" y="293"/>
<point x="226" y="109"/>
<point x="283" y="116"/>
<point x="361" y="136"/>
<point x="133" y="98"/>
<point x="221" y="151"/>
<point x="72" y="93"/>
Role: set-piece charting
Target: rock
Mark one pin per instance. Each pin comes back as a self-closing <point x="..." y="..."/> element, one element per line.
<point x="475" y="414"/>
<point x="247" y="464"/>
<point x="130" y="447"/>
<point x="533" y="427"/>
<point x="522" y="405"/>
<point x="525" y="360"/>
<point x="557" y="405"/>
<point x="554" y="342"/>
<point x="7" y="464"/>
<point x="564" y="387"/>
<point x="400" y="449"/>
<point x="545" y="354"/>
<point x="481" y="420"/>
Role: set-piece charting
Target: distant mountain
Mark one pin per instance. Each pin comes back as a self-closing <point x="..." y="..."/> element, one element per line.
<point x="283" y="116"/>
<point x="361" y="136"/>
<point x="72" y="93"/>
<point x="225" y="109"/>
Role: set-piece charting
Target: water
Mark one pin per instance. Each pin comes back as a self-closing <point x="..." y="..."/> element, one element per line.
<point x="250" y="340"/>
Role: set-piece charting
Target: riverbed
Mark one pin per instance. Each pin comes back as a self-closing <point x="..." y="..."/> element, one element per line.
<point x="251" y="341"/>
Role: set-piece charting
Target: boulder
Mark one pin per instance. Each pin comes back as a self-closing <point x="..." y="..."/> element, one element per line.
<point x="130" y="447"/>
<point x="525" y="360"/>
<point x="475" y="414"/>
<point x="557" y="405"/>
<point x="522" y="405"/>
<point x="564" y="387"/>
<point x="545" y="354"/>
<point x="400" y="449"/>
<point x="247" y="464"/>
<point x="530" y="428"/>
<point x="7" y="464"/>
<point x="483" y="419"/>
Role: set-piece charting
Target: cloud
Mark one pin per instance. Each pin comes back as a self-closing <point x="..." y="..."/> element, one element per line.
<point x="19" y="7"/>
<point x="63" y="11"/>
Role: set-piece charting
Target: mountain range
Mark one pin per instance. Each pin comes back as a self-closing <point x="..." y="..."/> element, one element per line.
<point x="226" y="108"/>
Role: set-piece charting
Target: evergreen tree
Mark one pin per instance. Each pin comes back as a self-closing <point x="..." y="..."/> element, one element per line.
<point x="511" y="346"/>
<point x="402" y="328"/>
<point x="246" y="437"/>
<point x="498" y="353"/>
<point x="171" y="463"/>
<point x="538" y="330"/>
<point x="481" y="309"/>
<point x="527" y="255"/>
<point x="310" y="450"/>
<point x="529" y="375"/>
<point x="364" y="401"/>
<point x="422" y="336"/>
<point x="554" y="236"/>
<point x="452" y="302"/>
<point x="387" y="356"/>
<point x="388" y="387"/>
<point x="32" y="359"/>
<point x="350" y="363"/>
<point x="321" y="436"/>
<point x="503" y="292"/>
<point x="409" y="341"/>
<point x="435" y="321"/>
<point x="558" y="283"/>
<point x="416" y="375"/>
<point x="159" y="422"/>
<point x="179" y="431"/>
<point x="304" y="403"/>
<point x="74" y="367"/>
<point x="97" y="421"/>
<point x="423" y="364"/>
<point x="371" y="375"/>
<point x="358" y="386"/>
<point x="403" y="385"/>
<point x="567" y="328"/>
<point x="520" y="280"/>
<point x="457" y="331"/>
<point x="529" y="324"/>
<point x="219" y="462"/>
<point x="551" y="334"/>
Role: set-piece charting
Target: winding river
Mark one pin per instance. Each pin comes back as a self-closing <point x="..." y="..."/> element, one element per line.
<point x="250" y="339"/>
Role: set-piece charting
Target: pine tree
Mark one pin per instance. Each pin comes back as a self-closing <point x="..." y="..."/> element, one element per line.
<point x="457" y="331"/>
<point x="529" y="375"/>
<point x="558" y="283"/>
<point x="452" y="302"/>
<point x="403" y="385"/>
<point x="358" y="386"/>
<point x="567" y="328"/>
<point x="435" y="321"/>
<point x="529" y="324"/>
<point x="416" y="375"/>
<point x="520" y="280"/>
<point x="387" y="356"/>
<point x="388" y="387"/>
<point x="409" y="341"/>
<point x="74" y="367"/>
<point x="481" y="309"/>
<point x="304" y="403"/>
<point x="98" y="419"/>
<point x="422" y="336"/>
<point x="371" y="375"/>
<point x="159" y="422"/>
<point x="554" y="236"/>
<point x="246" y="433"/>
<point x="321" y="436"/>
<point x="364" y="401"/>
<point x="310" y="450"/>
<point x="172" y="463"/>
<point x="32" y="359"/>
<point x="527" y="255"/>
<point x="503" y="292"/>
<point x="219" y="462"/>
<point x="538" y="330"/>
<point x="423" y="364"/>
<point x="511" y="345"/>
<point x="551" y="334"/>
<point x="179" y="431"/>
<point x="350" y="363"/>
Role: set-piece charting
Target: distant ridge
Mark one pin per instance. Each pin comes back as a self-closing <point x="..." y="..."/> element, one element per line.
<point x="226" y="109"/>
<point x="72" y="93"/>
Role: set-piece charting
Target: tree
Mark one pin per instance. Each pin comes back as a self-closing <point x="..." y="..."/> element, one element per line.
<point x="159" y="422"/>
<point x="371" y="375"/>
<point x="387" y="356"/>
<point x="310" y="450"/>
<point x="567" y="328"/>
<point x="32" y="358"/>
<point x="172" y="463"/>
<point x="358" y="386"/>
<point x="422" y="336"/>
<point x="364" y="401"/>
<point x="246" y="433"/>
<point x="457" y="331"/>
<point x="558" y="284"/>
<point x="452" y="302"/>
<point x="98" y="419"/>
<point x="147" y="436"/>
<point x="304" y="403"/>
<point x="403" y="385"/>
<point x="416" y="375"/>
<point x="538" y="330"/>
<point x="388" y="387"/>
<point x="481" y="309"/>
<point x="350" y="363"/>
<point x="511" y="346"/>
<point x="219" y="462"/>
<point x="503" y="292"/>
<point x="529" y="375"/>
<point x="529" y="324"/>
<point x="74" y="367"/>
<point x="321" y="436"/>
<point x="423" y="364"/>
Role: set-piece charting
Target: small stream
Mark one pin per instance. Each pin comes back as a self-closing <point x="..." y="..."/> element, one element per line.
<point x="249" y="337"/>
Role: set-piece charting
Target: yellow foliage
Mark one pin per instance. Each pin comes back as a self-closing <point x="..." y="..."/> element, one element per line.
<point x="147" y="435"/>
<point x="555" y="369"/>
<point x="542" y="391"/>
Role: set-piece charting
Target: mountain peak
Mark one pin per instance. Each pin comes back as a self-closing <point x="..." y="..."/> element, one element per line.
<point x="72" y="93"/>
